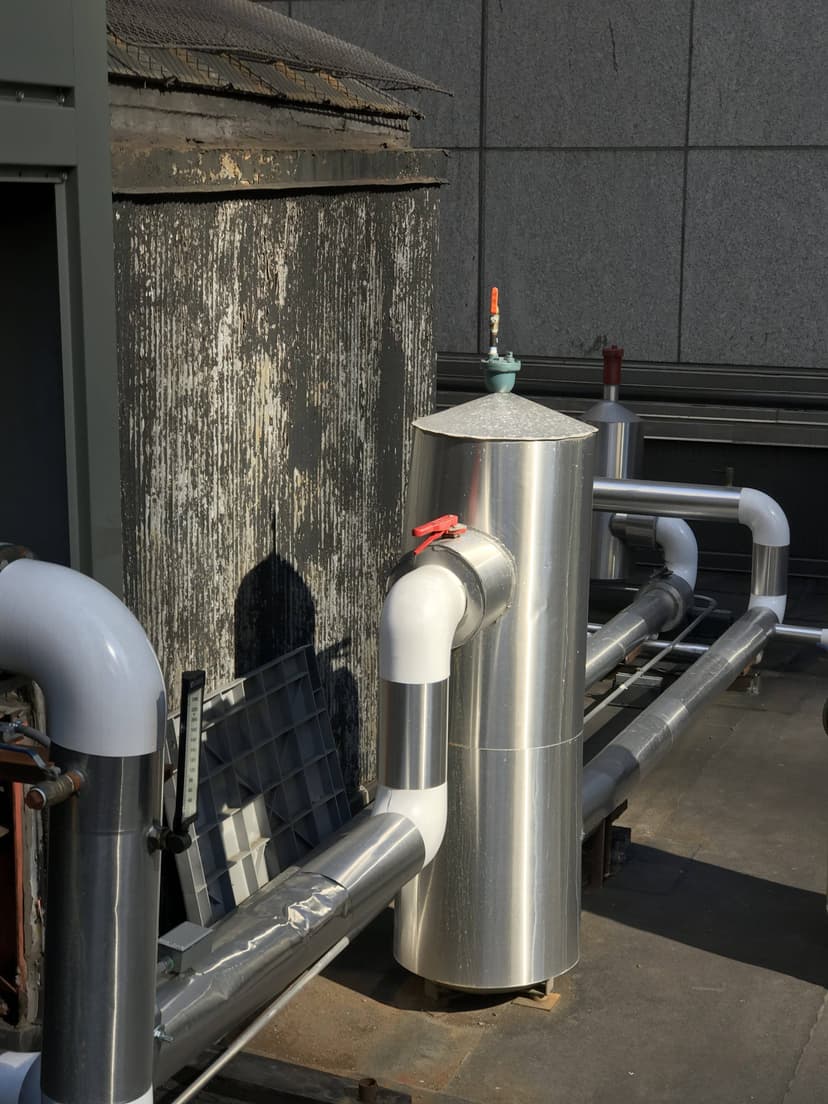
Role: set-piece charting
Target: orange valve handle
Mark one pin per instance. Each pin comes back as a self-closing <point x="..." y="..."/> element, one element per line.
<point x="438" y="528"/>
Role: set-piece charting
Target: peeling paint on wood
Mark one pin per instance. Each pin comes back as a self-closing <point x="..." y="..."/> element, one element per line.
<point x="273" y="353"/>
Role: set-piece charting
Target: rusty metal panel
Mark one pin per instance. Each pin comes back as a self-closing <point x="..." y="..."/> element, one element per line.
<point x="273" y="352"/>
<point x="179" y="68"/>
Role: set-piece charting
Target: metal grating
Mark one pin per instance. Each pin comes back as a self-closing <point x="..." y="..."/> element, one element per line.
<point x="270" y="788"/>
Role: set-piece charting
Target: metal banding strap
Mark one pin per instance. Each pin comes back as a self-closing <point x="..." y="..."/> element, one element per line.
<point x="415" y="718"/>
<point x="769" y="572"/>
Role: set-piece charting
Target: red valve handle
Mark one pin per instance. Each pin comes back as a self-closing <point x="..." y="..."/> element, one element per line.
<point x="445" y="526"/>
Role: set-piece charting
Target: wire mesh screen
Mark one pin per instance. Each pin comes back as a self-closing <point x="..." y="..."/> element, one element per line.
<point x="252" y="31"/>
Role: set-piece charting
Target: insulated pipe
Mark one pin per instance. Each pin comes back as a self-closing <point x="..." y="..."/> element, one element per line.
<point x="419" y="620"/>
<point x="802" y="633"/>
<point x="758" y="511"/>
<point x="659" y="605"/>
<point x="107" y="709"/>
<point x="281" y="931"/>
<point x="610" y="776"/>
<point x="289" y="925"/>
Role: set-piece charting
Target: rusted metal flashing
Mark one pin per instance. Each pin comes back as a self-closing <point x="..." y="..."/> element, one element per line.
<point x="227" y="74"/>
<point x="156" y="171"/>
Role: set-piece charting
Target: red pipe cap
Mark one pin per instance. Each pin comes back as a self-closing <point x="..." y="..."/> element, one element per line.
<point x="612" y="365"/>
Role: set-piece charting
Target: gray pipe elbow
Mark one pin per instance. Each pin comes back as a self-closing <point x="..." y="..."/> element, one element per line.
<point x="103" y="686"/>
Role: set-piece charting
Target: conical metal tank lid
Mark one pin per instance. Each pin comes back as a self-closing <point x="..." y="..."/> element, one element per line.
<point x="504" y="417"/>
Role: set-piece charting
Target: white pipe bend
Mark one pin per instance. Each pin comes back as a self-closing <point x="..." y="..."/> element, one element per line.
<point x="103" y="686"/>
<point x="679" y="547"/>
<point x="417" y="628"/>
<point x="419" y="619"/>
<point x="764" y="517"/>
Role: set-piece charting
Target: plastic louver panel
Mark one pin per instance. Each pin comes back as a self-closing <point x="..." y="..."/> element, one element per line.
<point x="270" y="786"/>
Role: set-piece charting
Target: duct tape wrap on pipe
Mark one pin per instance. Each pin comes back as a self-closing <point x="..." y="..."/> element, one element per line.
<point x="272" y="937"/>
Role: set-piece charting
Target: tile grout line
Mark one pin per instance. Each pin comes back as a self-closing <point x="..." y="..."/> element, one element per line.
<point x="680" y="318"/>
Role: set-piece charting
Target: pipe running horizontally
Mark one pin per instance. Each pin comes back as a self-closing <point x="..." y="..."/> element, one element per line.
<point x="754" y="509"/>
<point x="107" y="710"/>
<point x="284" y="929"/>
<point x="659" y="605"/>
<point x="804" y="634"/>
<point x="609" y="777"/>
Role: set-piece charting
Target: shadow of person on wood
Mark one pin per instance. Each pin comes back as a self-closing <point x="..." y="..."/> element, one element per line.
<point x="275" y="613"/>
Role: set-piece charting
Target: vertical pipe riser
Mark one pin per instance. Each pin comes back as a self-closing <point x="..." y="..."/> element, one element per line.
<point x="99" y="994"/>
<point x="499" y="906"/>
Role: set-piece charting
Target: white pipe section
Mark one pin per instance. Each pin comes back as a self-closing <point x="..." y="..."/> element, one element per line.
<point x="102" y="682"/>
<point x="679" y="547"/>
<point x="419" y="619"/>
<point x="19" y="1078"/>
<point x="764" y="517"/>
<point x="427" y="809"/>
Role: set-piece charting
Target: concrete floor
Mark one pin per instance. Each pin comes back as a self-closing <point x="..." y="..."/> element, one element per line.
<point x="704" y="962"/>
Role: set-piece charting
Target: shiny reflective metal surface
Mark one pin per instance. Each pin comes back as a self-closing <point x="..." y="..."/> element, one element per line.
<point x="507" y="916"/>
<point x="618" y="455"/>
<point x="421" y="711"/>
<point x="281" y="931"/>
<point x="684" y="500"/>
<point x="610" y="776"/>
<point x="499" y="906"/>
<point x="800" y="632"/>
<point x="656" y="607"/>
<point x="769" y="570"/>
<point x="102" y="915"/>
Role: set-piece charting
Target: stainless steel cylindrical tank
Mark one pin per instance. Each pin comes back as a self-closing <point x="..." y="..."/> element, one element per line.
<point x="618" y="455"/>
<point x="499" y="907"/>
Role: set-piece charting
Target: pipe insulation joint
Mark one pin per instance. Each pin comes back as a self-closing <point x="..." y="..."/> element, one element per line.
<point x="678" y="592"/>
<point x="427" y="809"/>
